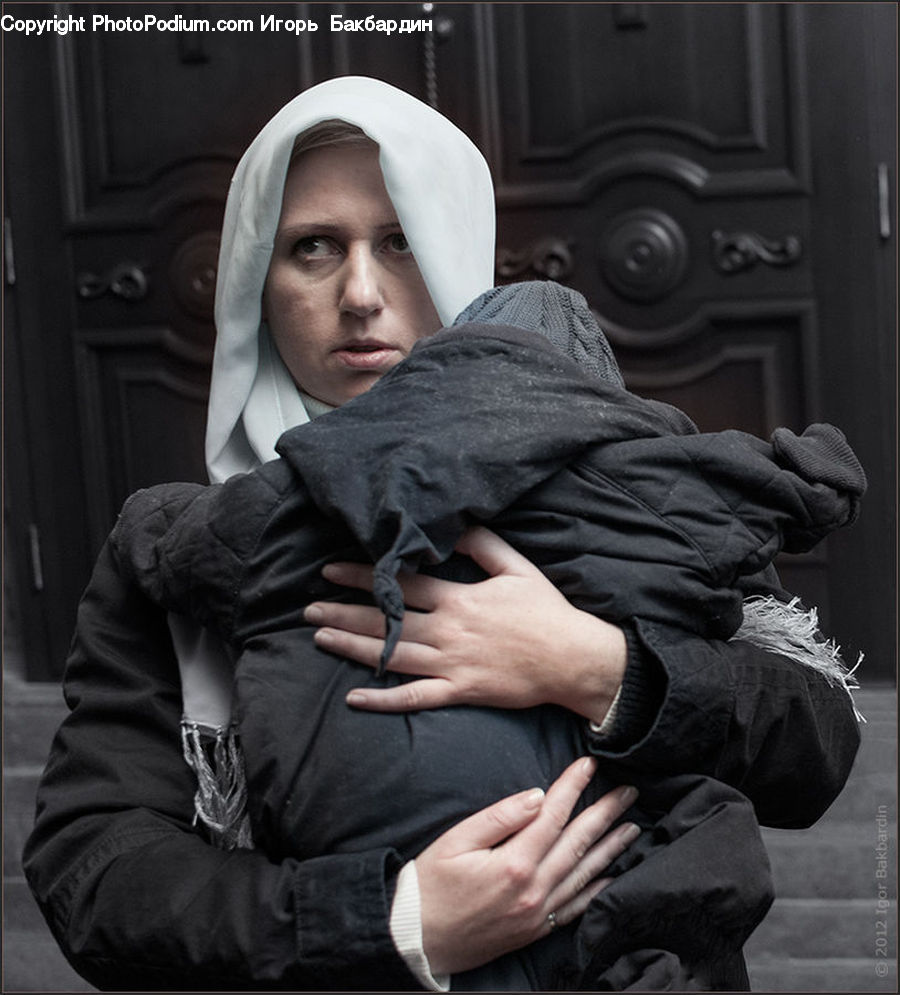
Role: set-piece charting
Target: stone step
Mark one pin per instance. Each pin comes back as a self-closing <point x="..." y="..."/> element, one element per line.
<point x="20" y="911"/>
<point x="19" y="787"/>
<point x="878" y="746"/>
<point x="878" y="735"/>
<point x="825" y="928"/>
<point x="35" y="964"/>
<point x="833" y="860"/>
<point x="881" y="697"/>
<point x="862" y="796"/>
<point x="824" y="975"/>
<point x="31" y="715"/>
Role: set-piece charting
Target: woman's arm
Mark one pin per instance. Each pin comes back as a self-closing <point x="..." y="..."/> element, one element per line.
<point x="137" y="898"/>
<point x="755" y="719"/>
<point x="777" y="729"/>
<point x="133" y="893"/>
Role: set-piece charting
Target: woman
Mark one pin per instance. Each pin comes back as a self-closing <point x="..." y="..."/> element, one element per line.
<point x="131" y="891"/>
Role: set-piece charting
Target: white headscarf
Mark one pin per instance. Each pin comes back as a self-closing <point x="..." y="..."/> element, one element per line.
<point x="439" y="185"/>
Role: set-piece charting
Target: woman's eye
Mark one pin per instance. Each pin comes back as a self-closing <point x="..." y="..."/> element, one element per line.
<point x="397" y="243"/>
<point x="313" y="246"/>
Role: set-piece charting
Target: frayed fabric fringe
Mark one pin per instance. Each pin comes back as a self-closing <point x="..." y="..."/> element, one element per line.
<point x="221" y="800"/>
<point x="793" y="631"/>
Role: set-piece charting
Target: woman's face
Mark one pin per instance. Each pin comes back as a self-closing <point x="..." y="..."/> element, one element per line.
<point x="344" y="298"/>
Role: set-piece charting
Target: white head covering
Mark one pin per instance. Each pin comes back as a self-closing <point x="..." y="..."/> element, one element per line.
<point x="439" y="185"/>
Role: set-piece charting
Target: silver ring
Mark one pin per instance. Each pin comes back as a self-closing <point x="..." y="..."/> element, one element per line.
<point x="551" y="918"/>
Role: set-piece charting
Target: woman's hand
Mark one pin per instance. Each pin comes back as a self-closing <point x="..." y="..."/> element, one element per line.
<point x="510" y="641"/>
<point x="488" y="885"/>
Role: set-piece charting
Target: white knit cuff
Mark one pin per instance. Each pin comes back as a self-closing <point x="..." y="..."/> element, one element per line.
<point x="609" y="720"/>
<point x="406" y="930"/>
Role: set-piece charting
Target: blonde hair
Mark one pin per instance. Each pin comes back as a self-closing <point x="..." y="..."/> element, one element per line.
<point x="330" y="134"/>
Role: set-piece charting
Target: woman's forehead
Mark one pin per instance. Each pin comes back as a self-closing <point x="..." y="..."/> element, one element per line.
<point x="337" y="179"/>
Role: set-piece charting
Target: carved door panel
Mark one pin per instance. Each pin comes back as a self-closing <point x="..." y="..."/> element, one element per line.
<point x="670" y="167"/>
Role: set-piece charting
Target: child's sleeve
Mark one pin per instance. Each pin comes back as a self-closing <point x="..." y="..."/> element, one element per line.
<point x="184" y="545"/>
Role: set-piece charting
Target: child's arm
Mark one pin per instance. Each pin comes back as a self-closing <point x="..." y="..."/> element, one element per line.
<point x="184" y="545"/>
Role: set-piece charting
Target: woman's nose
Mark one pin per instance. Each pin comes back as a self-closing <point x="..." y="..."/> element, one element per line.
<point x="361" y="289"/>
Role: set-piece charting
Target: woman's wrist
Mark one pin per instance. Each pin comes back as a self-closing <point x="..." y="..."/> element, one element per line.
<point x="643" y="691"/>
<point x="606" y="726"/>
<point x="406" y="930"/>
<point x="588" y="667"/>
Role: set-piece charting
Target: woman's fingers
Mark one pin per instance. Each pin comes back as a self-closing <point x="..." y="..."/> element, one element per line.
<point x="583" y="877"/>
<point x="518" y="815"/>
<point x="490" y="826"/>
<point x="586" y="846"/>
<point x="419" y="591"/>
<point x="357" y="575"/>
<point x="414" y="696"/>
<point x="535" y="842"/>
<point x="575" y="852"/>
<point x="494" y="555"/>
<point x="590" y="825"/>
<point x="571" y="910"/>
<point x="364" y="620"/>
<point x="363" y="649"/>
<point x="407" y="658"/>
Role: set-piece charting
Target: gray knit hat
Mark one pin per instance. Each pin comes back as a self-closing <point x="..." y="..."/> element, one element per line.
<point x="559" y="313"/>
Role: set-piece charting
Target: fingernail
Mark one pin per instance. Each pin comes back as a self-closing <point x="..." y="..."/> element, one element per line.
<point x="630" y="833"/>
<point x="329" y="570"/>
<point x="323" y="637"/>
<point x="313" y="613"/>
<point x="534" y="798"/>
<point x="355" y="698"/>
<point x="589" y="765"/>
<point x="628" y="795"/>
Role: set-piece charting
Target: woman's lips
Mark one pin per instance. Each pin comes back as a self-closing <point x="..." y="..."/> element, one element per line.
<point x="368" y="356"/>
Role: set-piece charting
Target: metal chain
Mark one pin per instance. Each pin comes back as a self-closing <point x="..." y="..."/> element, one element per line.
<point x="430" y="60"/>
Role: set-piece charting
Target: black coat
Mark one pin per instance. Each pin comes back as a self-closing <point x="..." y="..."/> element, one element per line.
<point x="672" y="521"/>
<point x="132" y="891"/>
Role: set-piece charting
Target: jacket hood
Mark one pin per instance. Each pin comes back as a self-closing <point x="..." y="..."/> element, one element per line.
<point x="441" y="188"/>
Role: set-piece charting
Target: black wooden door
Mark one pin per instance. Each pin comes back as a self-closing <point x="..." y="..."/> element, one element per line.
<point x="700" y="172"/>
